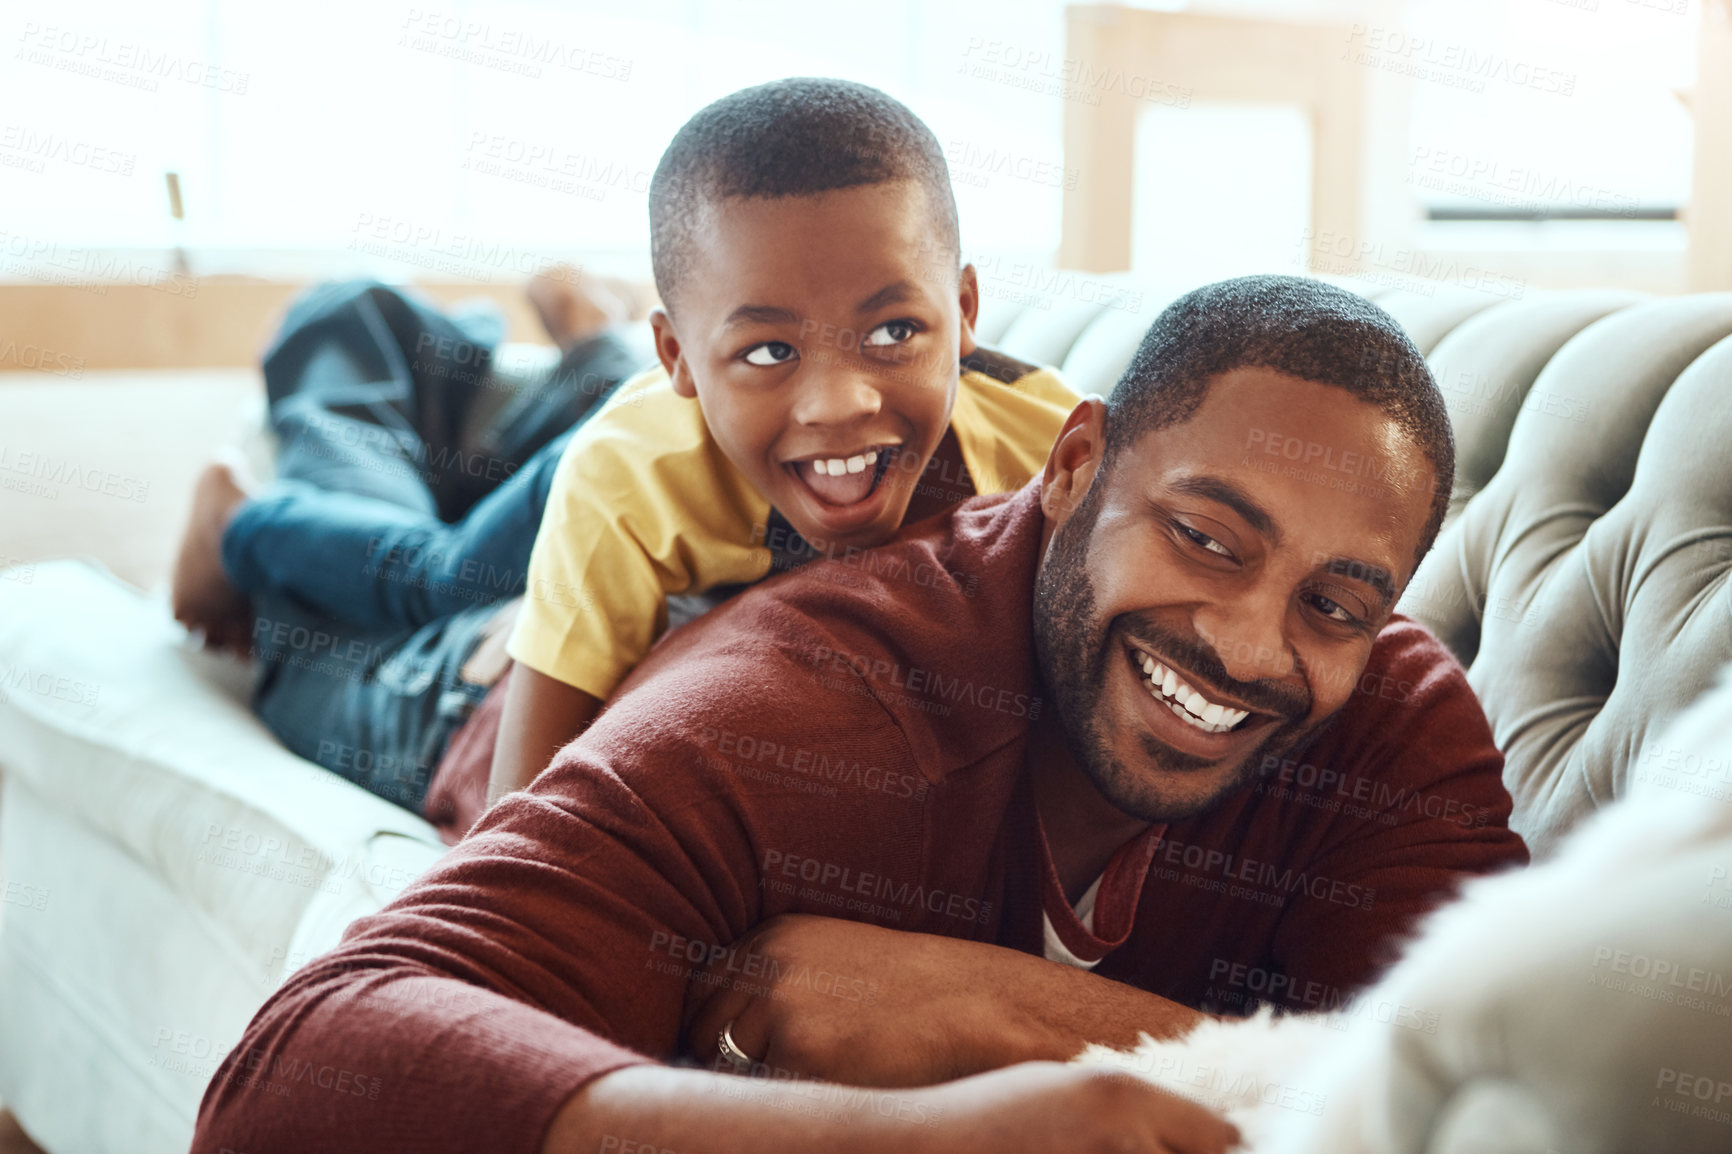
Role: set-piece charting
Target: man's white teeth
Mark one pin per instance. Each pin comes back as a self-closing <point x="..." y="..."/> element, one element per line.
<point x="836" y="466"/>
<point x="1187" y="703"/>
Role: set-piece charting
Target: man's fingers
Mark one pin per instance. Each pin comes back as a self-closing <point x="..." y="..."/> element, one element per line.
<point x="1187" y="1128"/>
<point x="750" y="1032"/>
<point x="726" y="1004"/>
<point x="713" y="998"/>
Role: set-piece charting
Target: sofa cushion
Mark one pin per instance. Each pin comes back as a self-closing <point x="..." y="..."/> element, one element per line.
<point x="109" y="715"/>
<point x="1586" y="585"/>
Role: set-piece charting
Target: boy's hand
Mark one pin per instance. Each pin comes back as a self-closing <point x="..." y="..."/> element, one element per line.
<point x="488" y="663"/>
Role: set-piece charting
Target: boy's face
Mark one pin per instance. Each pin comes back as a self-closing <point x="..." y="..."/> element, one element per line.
<point x="821" y="336"/>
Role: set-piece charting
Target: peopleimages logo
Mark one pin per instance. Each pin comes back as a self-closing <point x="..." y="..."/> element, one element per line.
<point x="927" y="683"/>
<point x="1285" y="779"/>
<point x="780" y="867"/>
<point x="830" y="768"/>
<point x="1264" y="882"/>
<point x="123" y="62"/>
<point x="713" y="964"/>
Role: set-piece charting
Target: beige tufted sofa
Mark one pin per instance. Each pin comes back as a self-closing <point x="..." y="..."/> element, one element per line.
<point x="1585" y="577"/>
<point x="167" y="864"/>
<point x="1583" y="574"/>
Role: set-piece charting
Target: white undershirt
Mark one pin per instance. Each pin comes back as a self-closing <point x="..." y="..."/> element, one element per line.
<point x="1085" y="912"/>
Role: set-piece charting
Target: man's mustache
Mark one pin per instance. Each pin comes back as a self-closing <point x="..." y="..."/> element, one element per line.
<point x="1194" y="655"/>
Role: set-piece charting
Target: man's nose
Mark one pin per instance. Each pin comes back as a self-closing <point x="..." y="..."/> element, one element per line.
<point x="1247" y="635"/>
<point x="838" y="396"/>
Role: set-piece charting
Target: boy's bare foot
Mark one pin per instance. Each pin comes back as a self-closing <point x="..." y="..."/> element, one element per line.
<point x="200" y="593"/>
<point x="574" y="305"/>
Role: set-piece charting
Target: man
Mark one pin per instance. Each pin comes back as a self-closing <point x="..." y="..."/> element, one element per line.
<point x="1085" y="721"/>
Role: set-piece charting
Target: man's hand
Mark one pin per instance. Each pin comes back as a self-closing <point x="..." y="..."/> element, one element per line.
<point x="834" y="999"/>
<point x="1039" y="1106"/>
<point x="1035" y="1107"/>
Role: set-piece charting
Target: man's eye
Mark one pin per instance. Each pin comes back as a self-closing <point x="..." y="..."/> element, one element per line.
<point x="891" y="333"/>
<point x="1204" y="541"/>
<point x="1333" y="610"/>
<point x="770" y="353"/>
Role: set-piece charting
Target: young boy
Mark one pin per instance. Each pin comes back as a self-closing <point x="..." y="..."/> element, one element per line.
<point x="815" y="307"/>
<point x="819" y="386"/>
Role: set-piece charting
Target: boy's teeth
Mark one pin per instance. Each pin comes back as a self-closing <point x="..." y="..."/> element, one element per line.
<point x="838" y="466"/>
<point x="841" y="480"/>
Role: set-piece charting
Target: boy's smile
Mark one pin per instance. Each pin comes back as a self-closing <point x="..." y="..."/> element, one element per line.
<point x="821" y="335"/>
<point x="847" y="487"/>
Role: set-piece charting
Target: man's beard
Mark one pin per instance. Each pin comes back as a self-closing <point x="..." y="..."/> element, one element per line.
<point x="1074" y="654"/>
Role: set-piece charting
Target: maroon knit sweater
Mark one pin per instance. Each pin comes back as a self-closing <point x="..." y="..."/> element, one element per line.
<point x="848" y="740"/>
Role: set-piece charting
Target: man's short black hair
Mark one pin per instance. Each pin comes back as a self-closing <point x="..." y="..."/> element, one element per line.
<point x="1294" y="325"/>
<point x="793" y="137"/>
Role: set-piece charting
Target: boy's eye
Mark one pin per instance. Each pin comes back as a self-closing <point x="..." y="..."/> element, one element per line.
<point x="770" y="353"/>
<point x="891" y="333"/>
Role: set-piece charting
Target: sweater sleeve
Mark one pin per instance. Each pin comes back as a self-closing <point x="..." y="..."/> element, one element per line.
<point x="1419" y="807"/>
<point x="552" y="946"/>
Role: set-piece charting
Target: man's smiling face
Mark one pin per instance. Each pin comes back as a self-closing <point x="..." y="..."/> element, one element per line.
<point x="822" y="335"/>
<point x="1203" y="574"/>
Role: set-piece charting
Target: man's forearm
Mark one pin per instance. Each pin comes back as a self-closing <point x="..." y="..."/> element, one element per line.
<point x="1048" y="1010"/>
<point x="1034" y="1108"/>
<point x="654" y="1107"/>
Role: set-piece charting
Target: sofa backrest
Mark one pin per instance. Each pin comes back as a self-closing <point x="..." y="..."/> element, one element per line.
<point x="1583" y="574"/>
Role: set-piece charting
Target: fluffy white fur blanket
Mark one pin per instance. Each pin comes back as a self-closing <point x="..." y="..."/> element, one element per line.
<point x="1581" y="1006"/>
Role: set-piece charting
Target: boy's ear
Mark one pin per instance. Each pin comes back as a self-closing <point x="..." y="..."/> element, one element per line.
<point x="968" y="300"/>
<point x="1075" y="458"/>
<point x="669" y="352"/>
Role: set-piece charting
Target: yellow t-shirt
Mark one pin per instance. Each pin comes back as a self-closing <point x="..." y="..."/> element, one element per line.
<point x="645" y="506"/>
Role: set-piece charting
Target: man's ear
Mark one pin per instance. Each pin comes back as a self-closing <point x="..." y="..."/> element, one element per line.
<point x="670" y="353"/>
<point x="1075" y="458"/>
<point x="968" y="299"/>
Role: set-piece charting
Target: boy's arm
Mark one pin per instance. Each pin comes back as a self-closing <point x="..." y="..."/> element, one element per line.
<point x="541" y="716"/>
<point x="642" y="506"/>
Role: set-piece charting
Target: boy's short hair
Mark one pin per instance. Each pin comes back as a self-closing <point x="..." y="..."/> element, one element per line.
<point x="1305" y="328"/>
<point x="793" y="137"/>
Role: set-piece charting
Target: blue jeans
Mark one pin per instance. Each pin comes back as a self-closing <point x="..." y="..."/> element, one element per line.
<point x="409" y="493"/>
